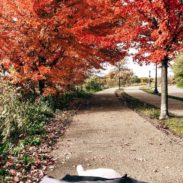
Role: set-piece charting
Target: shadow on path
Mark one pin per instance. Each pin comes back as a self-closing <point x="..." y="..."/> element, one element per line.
<point x="108" y="134"/>
<point x="104" y="101"/>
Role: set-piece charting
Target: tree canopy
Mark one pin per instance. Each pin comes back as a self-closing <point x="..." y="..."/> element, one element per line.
<point x="44" y="47"/>
<point x="59" y="41"/>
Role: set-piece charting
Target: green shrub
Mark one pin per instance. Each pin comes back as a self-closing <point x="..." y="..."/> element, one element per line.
<point x="93" y="85"/>
<point x="18" y="148"/>
<point x="36" y="116"/>
<point x="33" y="140"/>
<point x="62" y="100"/>
<point x="27" y="160"/>
<point x="13" y="112"/>
<point x="21" y="117"/>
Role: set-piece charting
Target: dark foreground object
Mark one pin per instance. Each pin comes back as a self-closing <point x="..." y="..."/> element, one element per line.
<point x="83" y="179"/>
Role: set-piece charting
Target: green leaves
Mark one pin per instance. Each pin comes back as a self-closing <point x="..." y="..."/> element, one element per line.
<point x="12" y="116"/>
<point x="178" y="70"/>
<point x="19" y="116"/>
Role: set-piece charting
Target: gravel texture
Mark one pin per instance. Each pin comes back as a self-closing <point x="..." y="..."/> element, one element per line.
<point x="108" y="134"/>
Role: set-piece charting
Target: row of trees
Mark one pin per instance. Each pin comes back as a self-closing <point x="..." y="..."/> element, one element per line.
<point x="54" y="43"/>
<point x="116" y="78"/>
<point x="39" y="49"/>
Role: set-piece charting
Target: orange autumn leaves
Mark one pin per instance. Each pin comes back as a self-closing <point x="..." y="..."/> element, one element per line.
<point x="39" y="44"/>
<point x="59" y="42"/>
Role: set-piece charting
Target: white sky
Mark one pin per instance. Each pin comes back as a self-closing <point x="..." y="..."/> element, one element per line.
<point x="140" y="71"/>
<point x="143" y="71"/>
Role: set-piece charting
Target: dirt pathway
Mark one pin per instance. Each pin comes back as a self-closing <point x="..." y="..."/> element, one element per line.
<point x="111" y="135"/>
<point x="175" y="106"/>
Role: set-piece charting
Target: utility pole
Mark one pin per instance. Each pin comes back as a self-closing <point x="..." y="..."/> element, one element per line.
<point x="156" y="80"/>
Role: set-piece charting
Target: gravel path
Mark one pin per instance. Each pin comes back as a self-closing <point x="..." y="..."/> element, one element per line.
<point x="108" y="134"/>
<point x="175" y="106"/>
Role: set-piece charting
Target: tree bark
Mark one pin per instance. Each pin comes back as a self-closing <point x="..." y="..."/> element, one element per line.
<point x="164" y="90"/>
<point x="149" y="80"/>
<point x="119" y="83"/>
<point x="41" y="85"/>
<point x="156" y="81"/>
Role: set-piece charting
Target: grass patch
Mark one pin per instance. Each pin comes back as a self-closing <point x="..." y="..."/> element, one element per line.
<point x="150" y="90"/>
<point x="173" y="124"/>
<point x="180" y="85"/>
<point x="176" y="98"/>
<point x="139" y="106"/>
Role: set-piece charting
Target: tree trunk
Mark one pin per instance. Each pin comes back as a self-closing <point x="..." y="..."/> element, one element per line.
<point x="41" y="85"/>
<point x="156" y="81"/>
<point x="164" y="90"/>
<point x="119" y="83"/>
<point x="3" y="69"/>
<point x="149" y="80"/>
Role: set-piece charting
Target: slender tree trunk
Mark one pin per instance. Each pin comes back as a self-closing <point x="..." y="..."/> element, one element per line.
<point x="81" y="87"/>
<point x="119" y="82"/>
<point x="119" y="79"/>
<point x="41" y="85"/>
<point x="3" y="69"/>
<point x="164" y="90"/>
<point x="149" y="80"/>
<point x="156" y="81"/>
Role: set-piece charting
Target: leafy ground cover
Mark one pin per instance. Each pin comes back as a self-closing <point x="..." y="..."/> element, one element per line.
<point x="27" y="160"/>
<point x="150" y="112"/>
<point x="29" y="129"/>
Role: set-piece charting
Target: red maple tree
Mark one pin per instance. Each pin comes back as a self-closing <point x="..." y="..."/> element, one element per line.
<point x="157" y="33"/>
<point x="44" y="51"/>
<point x="153" y="28"/>
<point x="87" y="33"/>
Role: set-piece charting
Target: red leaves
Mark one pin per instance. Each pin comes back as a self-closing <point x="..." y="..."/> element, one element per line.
<point x="46" y="49"/>
<point x="155" y="28"/>
<point x="37" y="76"/>
<point x="44" y="70"/>
<point x="61" y="43"/>
<point x="157" y="56"/>
<point x="66" y="39"/>
<point x="44" y="8"/>
<point x="49" y="91"/>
